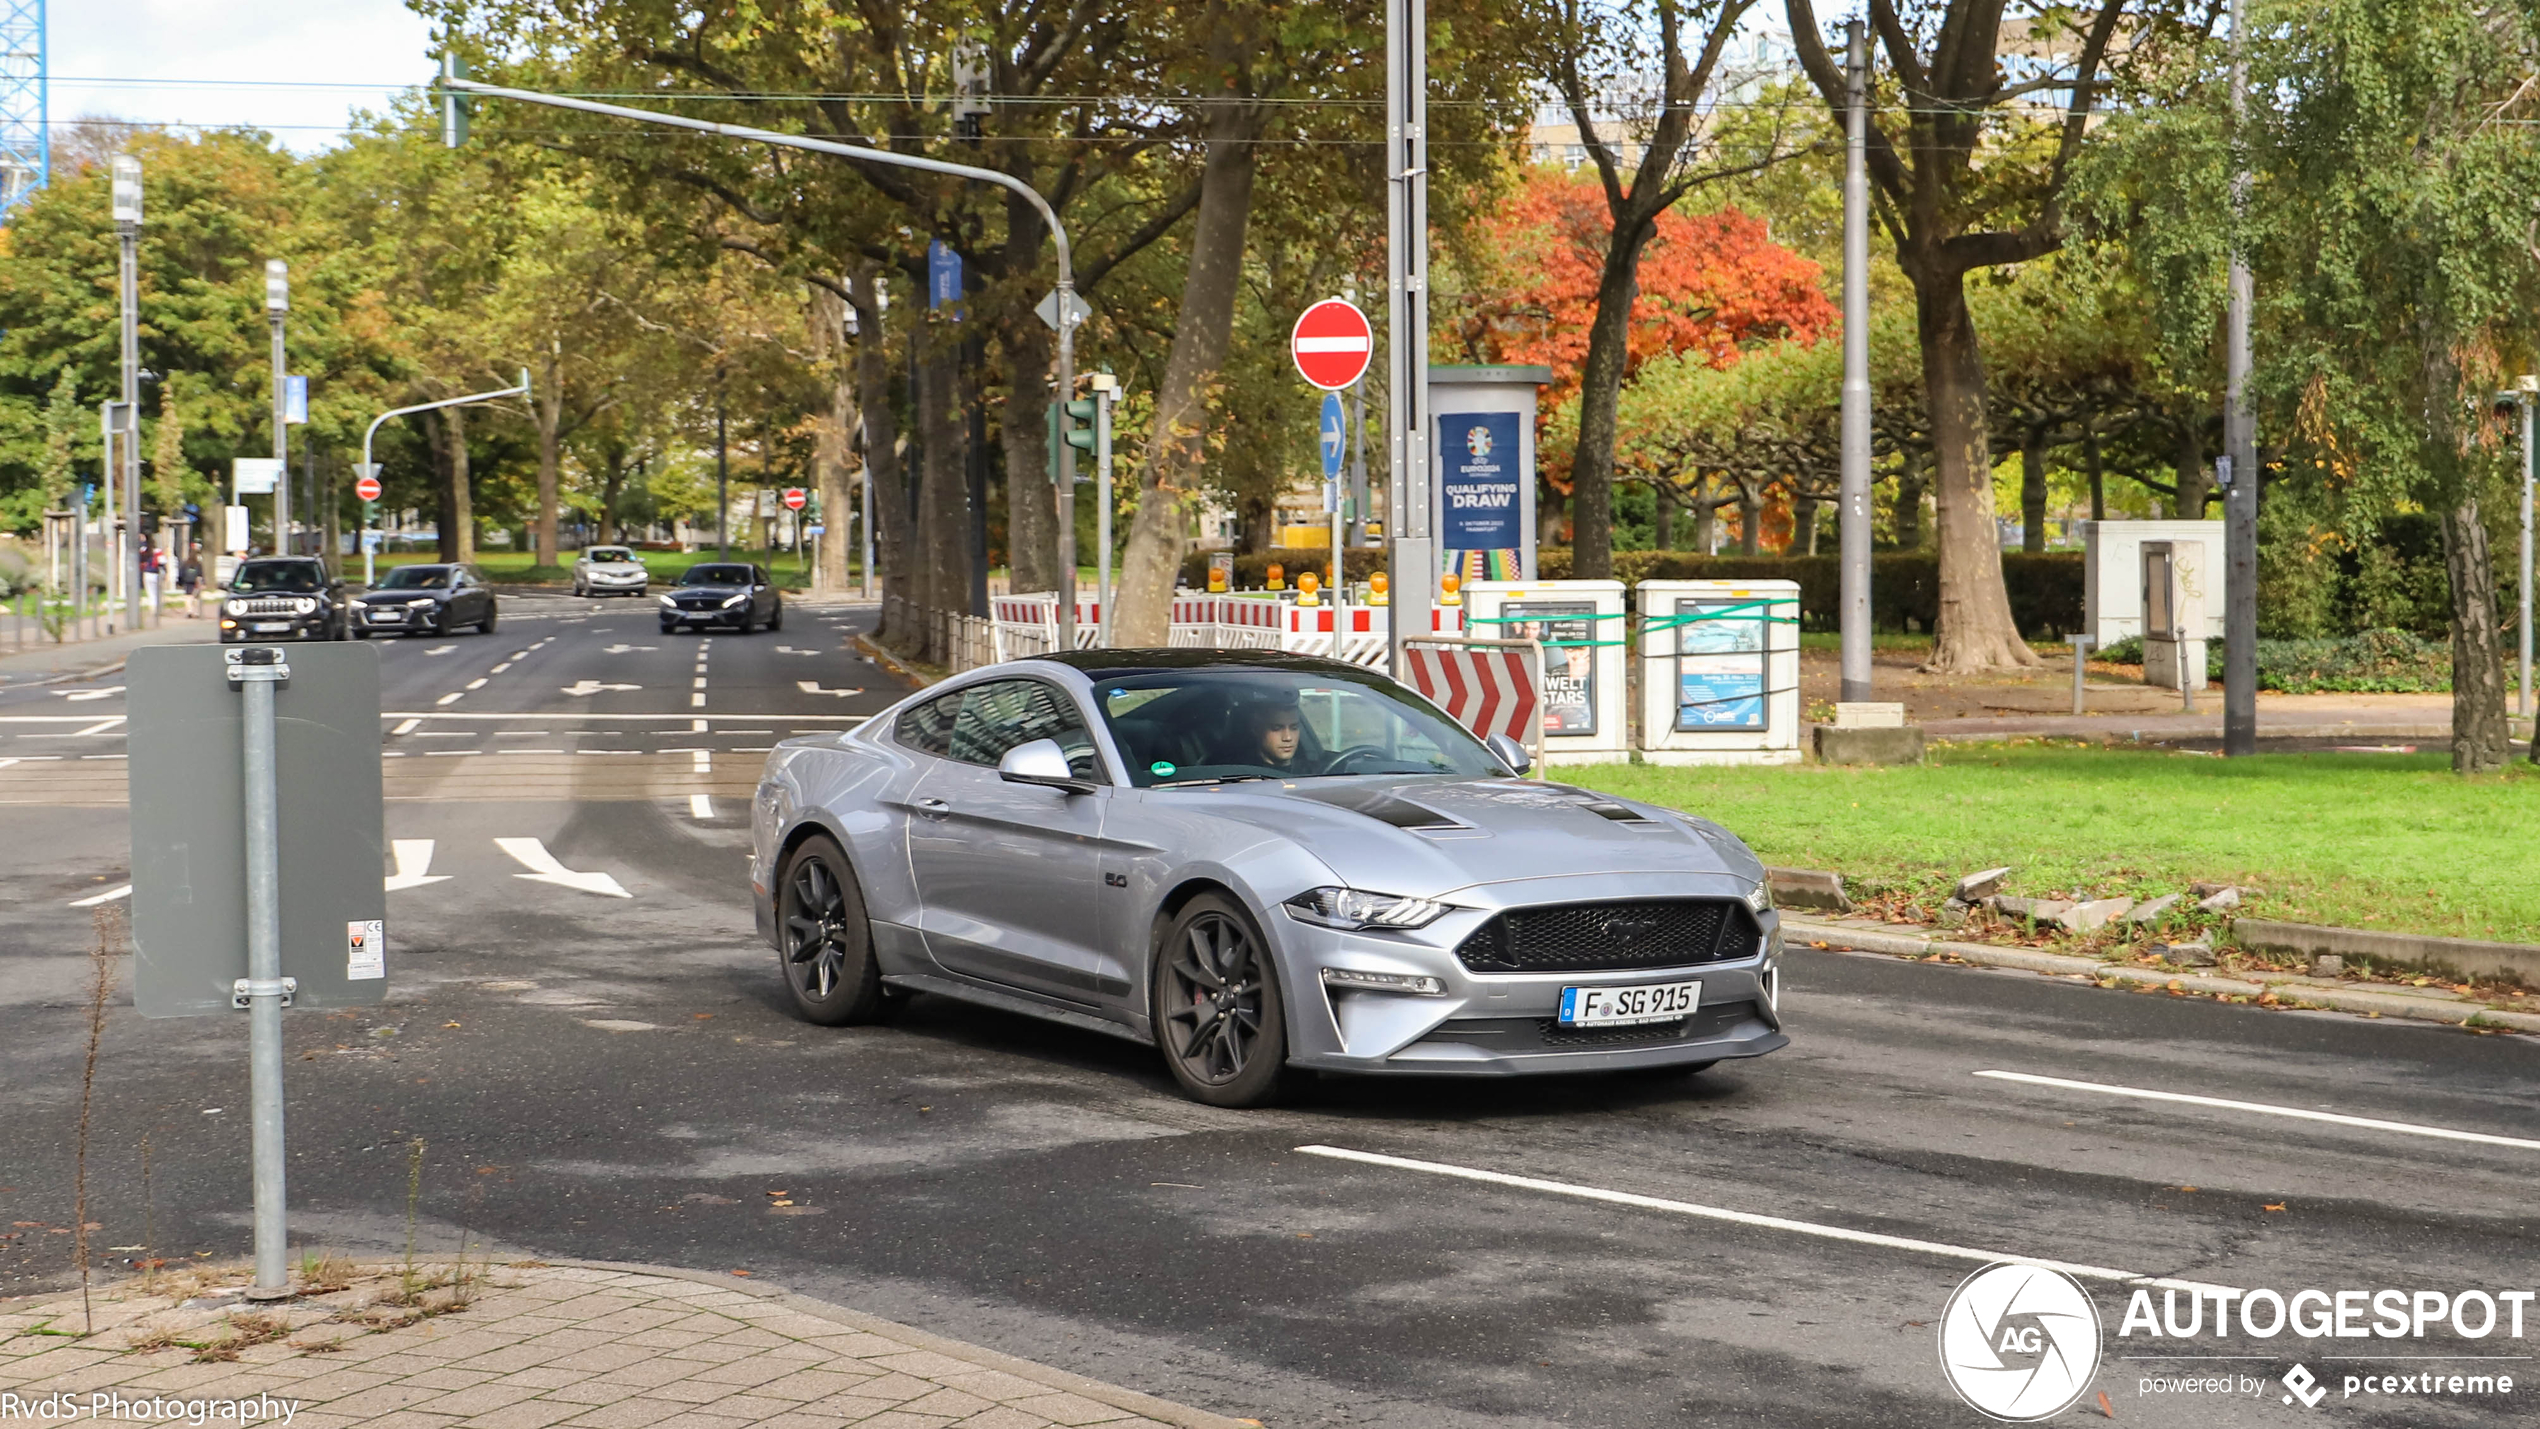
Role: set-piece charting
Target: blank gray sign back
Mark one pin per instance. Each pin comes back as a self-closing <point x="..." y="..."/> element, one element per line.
<point x="189" y="864"/>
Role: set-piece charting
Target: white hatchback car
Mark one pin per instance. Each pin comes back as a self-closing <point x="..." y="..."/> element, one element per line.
<point x="609" y="570"/>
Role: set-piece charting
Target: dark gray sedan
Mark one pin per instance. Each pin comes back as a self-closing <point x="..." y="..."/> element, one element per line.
<point x="425" y="600"/>
<point x="1256" y="862"/>
<point x="726" y="593"/>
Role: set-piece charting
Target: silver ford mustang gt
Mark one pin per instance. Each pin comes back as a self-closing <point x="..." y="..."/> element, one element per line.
<point x="1255" y="862"/>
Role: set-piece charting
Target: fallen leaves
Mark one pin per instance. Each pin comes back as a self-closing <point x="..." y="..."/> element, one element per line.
<point x="2273" y="1206"/>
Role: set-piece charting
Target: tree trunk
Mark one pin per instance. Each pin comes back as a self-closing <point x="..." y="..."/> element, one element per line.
<point x="2480" y="740"/>
<point x="943" y="493"/>
<point x="458" y="507"/>
<point x="2092" y="462"/>
<point x="880" y="423"/>
<point x="1750" y="513"/>
<point x="612" y="485"/>
<point x="1706" y="516"/>
<point x="332" y="532"/>
<point x="2033" y="489"/>
<point x="1600" y="397"/>
<point x="1169" y="476"/>
<point x="550" y="413"/>
<point x="830" y="462"/>
<point x="1910" y="482"/>
<point x="1664" y="534"/>
<point x="2192" y="483"/>
<point x="1031" y="510"/>
<point x="1976" y="632"/>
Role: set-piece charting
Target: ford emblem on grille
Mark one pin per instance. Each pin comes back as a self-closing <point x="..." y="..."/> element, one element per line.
<point x="1629" y="931"/>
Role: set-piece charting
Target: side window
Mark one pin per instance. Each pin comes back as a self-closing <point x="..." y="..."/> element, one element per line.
<point x="928" y="728"/>
<point x="997" y="716"/>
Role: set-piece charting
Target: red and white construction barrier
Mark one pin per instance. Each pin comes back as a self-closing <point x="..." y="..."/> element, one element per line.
<point x="1488" y="686"/>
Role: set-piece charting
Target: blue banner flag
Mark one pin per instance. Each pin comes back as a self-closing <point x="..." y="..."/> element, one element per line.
<point x="1478" y="482"/>
<point x="943" y="275"/>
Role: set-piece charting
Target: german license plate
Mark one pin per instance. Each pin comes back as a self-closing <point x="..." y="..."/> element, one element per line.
<point x="1626" y="1006"/>
<point x="272" y="627"/>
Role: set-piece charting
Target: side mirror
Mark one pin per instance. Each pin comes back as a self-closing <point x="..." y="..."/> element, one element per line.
<point x="1041" y="762"/>
<point x="1510" y="753"/>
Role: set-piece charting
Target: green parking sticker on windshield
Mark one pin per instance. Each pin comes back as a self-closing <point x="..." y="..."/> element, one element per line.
<point x="1160" y="768"/>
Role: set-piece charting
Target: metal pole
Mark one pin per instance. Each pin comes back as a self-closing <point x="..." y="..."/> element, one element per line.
<point x="109" y="429"/>
<point x="2240" y="496"/>
<point x="1358" y="461"/>
<point x="1065" y="296"/>
<point x="2529" y="389"/>
<point x="864" y="484"/>
<point x="279" y="310"/>
<point x="722" y="477"/>
<point x="130" y="236"/>
<point x="370" y="468"/>
<point x="264" y="986"/>
<point x="2081" y="653"/>
<point x="1407" y="527"/>
<point x="1103" y="398"/>
<point x="1853" y="506"/>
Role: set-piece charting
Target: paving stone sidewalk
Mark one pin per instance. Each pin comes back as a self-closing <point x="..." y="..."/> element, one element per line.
<point x="592" y="1346"/>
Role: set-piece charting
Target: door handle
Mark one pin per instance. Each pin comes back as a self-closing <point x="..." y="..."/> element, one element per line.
<point x="933" y="808"/>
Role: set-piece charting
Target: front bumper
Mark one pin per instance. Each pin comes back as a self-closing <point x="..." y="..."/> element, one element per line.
<point x="1507" y="1024"/>
<point x="400" y="617"/>
<point x="598" y="584"/>
<point x="318" y="625"/>
<point x="712" y="615"/>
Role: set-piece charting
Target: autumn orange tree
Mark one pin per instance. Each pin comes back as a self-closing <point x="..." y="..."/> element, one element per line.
<point x="1710" y="285"/>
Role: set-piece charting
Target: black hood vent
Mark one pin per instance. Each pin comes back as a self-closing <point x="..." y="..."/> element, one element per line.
<point x="1384" y="806"/>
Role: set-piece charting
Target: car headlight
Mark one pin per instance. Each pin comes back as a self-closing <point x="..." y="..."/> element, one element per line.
<point x="1760" y="897"/>
<point x="419" y="601"/>
<point x="736" y="600"/>
<point x="668" y="604"/>
<point x="1361" y="980"/>
<point x="1355" y="908"/>
<point x="233" y="607"/>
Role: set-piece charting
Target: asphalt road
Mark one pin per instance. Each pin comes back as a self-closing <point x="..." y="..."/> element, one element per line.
<point x="616" y="1078"/>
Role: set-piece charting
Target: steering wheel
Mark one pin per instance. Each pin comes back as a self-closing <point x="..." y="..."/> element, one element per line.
<point x="1338" y="762"/>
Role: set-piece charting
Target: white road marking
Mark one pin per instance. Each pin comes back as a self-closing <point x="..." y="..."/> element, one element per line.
<point x="5" y="763"/>
<point x="790" y="650"/>
<point x="543" y="868"/>
<point x="408" y="726"/>
<point x="109" y="896"/>
<point x="696" y="702"/>
<point x="100" y="727"/>
<point x="1749" y="1218"/>
<point x="700" y="807"/>
<point x="500" y="668"/>
<point x="593" y="687"/>
<point x="414" y="864"/>
<point x="82" y="696"/>
<point x="519" y="655"/>
<point x="105" y="756"/>
<point x="618" y="1024"/>
<point x="704" y="762"/>
<point x="453" y="697"/>
<point x="622" y="649"/>
<point x="477" y="684"/>
<point x="697" y="726"/>
<point x="440" y="650"/>
<point x="812" y="687"/>
<point x="700" y="683"/>
<point x="2334" y="1118"/>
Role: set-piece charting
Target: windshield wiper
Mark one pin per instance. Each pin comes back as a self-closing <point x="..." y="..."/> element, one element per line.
<point x="1214" y="779"/>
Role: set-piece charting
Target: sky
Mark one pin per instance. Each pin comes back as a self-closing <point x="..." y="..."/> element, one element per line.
<point x="299" y="68"/>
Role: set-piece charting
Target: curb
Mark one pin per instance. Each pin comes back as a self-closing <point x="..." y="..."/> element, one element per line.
<point x="1124" y="1399"/>
<point x="2289" y="988"/>
<point x="872" y="649"/>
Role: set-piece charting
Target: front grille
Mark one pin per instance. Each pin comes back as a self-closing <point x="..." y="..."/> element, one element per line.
<point x="275" y="605"/>
<point x="1612" y="937"/>
<point x="1546" y="1034"/>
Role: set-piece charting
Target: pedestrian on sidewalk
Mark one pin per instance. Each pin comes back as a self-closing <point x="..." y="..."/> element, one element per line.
<point x="189" y="579"/>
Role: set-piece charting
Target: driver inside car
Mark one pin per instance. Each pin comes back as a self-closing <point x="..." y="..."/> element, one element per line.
<point x="1278" y="733"/>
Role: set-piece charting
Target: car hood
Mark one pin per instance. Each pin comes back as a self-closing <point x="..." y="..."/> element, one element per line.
<point x="399" y="597"/>
<point x="706" y="594"/>
<point x="1427" y="837"/>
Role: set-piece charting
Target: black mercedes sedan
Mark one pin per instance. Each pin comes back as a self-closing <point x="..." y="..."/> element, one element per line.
<point x="425" y="600"/>
<point x="284" y="598"/>
<point x="723" y="593"/>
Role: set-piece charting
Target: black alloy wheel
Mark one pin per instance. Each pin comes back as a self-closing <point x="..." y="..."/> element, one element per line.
<point x="1218" y="1013"/>
<point x="827" y="940"/>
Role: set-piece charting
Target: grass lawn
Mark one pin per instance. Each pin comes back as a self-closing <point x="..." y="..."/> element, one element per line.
<point x="2389" y="841"/>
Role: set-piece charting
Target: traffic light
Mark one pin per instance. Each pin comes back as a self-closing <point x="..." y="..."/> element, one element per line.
<point x="456" y="108"/>
<point x="1081" y="411"/>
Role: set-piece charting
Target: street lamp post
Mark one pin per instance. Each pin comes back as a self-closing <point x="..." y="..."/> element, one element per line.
<point x="2527" y="391"/>
<point x="370" y="468"/>
<point x="127" y="201"/>
<point x="1065" y="297"/>
<point x="1853" y="512"/>
<point x="277" y="310"/>
<point x="1407" y="525"/>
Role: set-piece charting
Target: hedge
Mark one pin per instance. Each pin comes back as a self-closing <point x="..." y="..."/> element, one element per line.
<point x="2377" y="661"/>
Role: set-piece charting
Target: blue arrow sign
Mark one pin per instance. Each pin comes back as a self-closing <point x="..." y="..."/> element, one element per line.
<point x="1335" y="436"/>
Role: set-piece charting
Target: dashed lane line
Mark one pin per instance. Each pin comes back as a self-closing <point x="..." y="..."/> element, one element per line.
<point x="477" y="684"/>
<point x="700" y="807"/>
<point x="453" y="697"/>
<point x="408" y="726"/>
<point x="2407" y="1128"/>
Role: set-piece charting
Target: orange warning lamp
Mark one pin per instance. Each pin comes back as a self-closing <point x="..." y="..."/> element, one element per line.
<point x="1376" y="585"/>
<point x="1451" y="589"/>
<point x="1278" y="576"/>
<point x="1307" y="583"/>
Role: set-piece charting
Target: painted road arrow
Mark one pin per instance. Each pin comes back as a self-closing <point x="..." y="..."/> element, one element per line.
<point x="414" y="864"/>
<point x="75" y="696"/>
<point x="543" y="868"/>
<point x="593" y="687"/>
<point x="812" y="687"/>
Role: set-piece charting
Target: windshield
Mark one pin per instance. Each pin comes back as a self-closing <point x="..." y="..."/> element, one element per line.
<point x="716" y="575"/>
<point x="294" y="577"/>
<point x="1202" y="726"/>
<point x="417" y="578"/>
<point x="602" y="555"/>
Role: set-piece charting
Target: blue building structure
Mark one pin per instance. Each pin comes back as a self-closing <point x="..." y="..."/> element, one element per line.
<point x="26" y="143"/>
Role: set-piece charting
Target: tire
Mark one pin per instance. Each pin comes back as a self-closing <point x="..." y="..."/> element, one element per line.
<point x="777" y="620"/>
<point x="670" y="627"/>
<point x="361" y="635"/>
<point x="826" y="939"/>
<point x="1219" y="1018"/>
<point x="486" y="626"/>
<point x="579" y="593"/>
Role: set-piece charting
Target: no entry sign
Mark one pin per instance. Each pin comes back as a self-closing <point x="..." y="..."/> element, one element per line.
<point x="367" y="488"/>
<point x="794" y="498"/>
<point x="1332" y="343"/>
